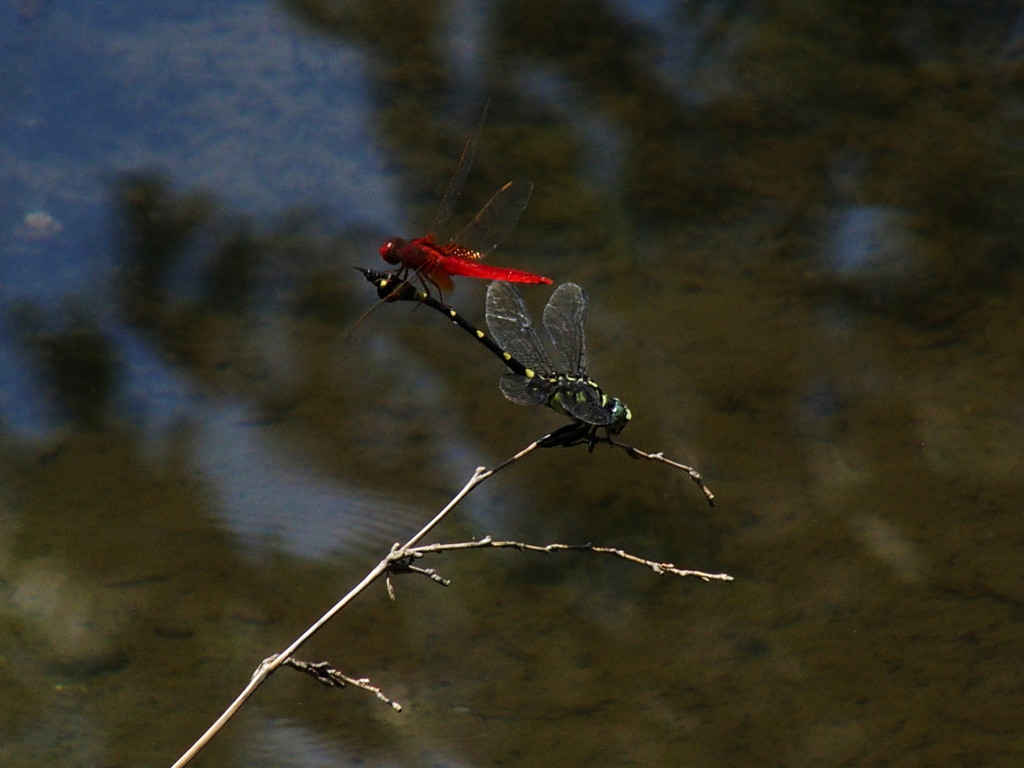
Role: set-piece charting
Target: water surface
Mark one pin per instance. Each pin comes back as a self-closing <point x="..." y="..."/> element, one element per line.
<point x="799" y="228"/>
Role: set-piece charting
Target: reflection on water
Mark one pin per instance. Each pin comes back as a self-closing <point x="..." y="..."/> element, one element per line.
<point x="799" y="226"/>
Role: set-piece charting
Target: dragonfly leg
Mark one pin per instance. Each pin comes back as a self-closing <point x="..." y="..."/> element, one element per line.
<point x="576" y="433"/>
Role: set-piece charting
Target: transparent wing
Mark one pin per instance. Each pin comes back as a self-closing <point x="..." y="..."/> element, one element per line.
<point x="563" y="317"/>
<point x="510" y="325"/>
<point x="451" y="194"/>
<point x="495" y="220"/>
<point x="524" y="390"/>
<point x="584" y="402"/>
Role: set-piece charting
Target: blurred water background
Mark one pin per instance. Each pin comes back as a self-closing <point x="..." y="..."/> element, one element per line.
<point x="800" y="228"/>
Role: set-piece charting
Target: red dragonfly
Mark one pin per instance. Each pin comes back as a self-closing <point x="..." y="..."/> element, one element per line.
<point x="461" y="255"/>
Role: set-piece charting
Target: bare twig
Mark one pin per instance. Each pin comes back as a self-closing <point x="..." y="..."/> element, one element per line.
<point x="581" y="433"/>
<point x="399" y="560"/>
<point x="404" y="565"/>
<point x="324" y="673"/>
<point x="636" y="453"/>
<point x="385" y="566"/>
<point x="487" y="541"/>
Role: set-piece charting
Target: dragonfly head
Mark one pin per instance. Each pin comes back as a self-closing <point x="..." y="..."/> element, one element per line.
<point x="389" y="251"/>
<point x="620" y="415"/>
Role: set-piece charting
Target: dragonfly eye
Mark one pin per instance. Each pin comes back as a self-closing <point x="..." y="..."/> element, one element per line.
<point x="389" y="251"/>
<point x="620" y="416"/>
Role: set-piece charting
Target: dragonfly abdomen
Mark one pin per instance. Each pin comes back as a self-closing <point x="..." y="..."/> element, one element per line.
<point x="533" y="380"/>
<point x="391" y="287"/>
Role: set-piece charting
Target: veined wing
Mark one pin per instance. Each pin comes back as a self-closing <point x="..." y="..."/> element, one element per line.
<point x="510" y="325"/>
<point x="563" y="317"/>
<point x="494" y="221"/>
<point x="458" y="181"/>
<point x="584" y="402"/>
<point x="524" y="390"/>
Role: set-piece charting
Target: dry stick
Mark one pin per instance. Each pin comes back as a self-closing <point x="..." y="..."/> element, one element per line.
<point x="636" y="453"/>
<point x="487" y="541"/>
<point x="271" y="663"/>
<point x="404" y="552"/>
<point x="333" y="678"/>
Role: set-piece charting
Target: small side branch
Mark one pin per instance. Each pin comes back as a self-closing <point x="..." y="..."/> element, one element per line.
<point x="580" y="433"/>
<point x="636" y="453"/>
<point x="403" y="564"/>
<point x="488" y="542"/>
<point x="324" y="673"/>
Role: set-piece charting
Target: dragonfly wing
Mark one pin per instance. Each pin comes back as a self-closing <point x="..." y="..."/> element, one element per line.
<point x="451" y="194"/>
<point x="584" y="402"/>
<point x="510" y="325"/>
<point x="563" y="317"/>
<point x="496" y="219"/>
<point x="525" y="390"/>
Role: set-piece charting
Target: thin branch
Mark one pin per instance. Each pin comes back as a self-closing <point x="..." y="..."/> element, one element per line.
<point x="404" y="565"/>
<point x="580" y="433"/>
<point x="327" y="675"/>
<point x="488" y="542"/>
<point x="636" y="453"/>
<point x="398" y="560"/>
<point x="385" y="566"/>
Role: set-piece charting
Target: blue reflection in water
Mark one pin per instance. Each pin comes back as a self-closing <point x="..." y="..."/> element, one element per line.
<point x="463" y="39"/>
<point x="692" y="45"/>
<point x="869" y="240"/>
<point x="156" y="397"/>
<point x="602" y="158"/>
<point x="245" y="103"/>
<point x="268" y="497"/>
<point x="22" y="410"/>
